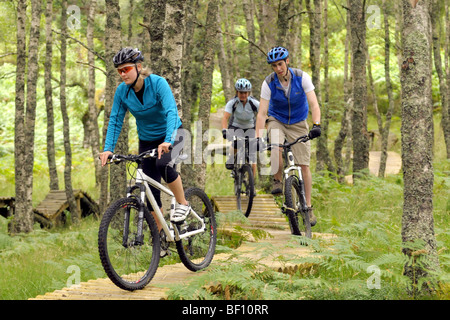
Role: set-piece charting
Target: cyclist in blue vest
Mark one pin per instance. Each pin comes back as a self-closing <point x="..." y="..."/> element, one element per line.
<point x="149" y="99"/>
<point x="239" y="117"/>
<point x="287" y="95"/>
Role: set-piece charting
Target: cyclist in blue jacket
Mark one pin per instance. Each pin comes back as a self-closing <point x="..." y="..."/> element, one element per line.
<point x="149" y="99"/>
<point x="287" y="95"/>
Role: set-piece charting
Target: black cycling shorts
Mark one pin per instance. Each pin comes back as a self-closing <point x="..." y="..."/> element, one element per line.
<point x="164" y="167"/>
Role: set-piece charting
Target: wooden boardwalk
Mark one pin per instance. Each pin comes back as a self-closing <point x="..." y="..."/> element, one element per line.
<point x="266" y="214"/>
<point x="50" y="211"/>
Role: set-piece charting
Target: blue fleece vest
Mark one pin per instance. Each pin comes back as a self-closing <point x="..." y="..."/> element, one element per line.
<point x="290" y="108"/>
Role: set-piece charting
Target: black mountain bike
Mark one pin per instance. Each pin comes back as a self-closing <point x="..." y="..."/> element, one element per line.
<point x="242" y="173"/>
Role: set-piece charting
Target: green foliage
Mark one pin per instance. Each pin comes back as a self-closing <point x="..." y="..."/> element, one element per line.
<point x="366" y="221"/>
<point x="38" y="262"/>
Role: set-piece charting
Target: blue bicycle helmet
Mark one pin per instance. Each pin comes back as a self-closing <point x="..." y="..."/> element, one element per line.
<point x="243" y="85"/>
<point x="276" y="54"/>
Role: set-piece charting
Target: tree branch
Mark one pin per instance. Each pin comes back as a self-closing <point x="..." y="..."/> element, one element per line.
<point x="90" y="65"/>
<point x="249" y="41"/>
<point x="81" y="43"/>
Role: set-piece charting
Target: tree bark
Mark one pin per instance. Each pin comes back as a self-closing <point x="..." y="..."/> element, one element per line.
<point x="253" y="75"/>
<point x="384" y="131"/>
<point x="54" y="184"/>
<point x="73" y="208"/>
<point x="23" y="219"/>
<point x="283" y="22"/>
<point x="189" y="70"/>
<point x="443" y="90"/>
<point x="417" y="140"/>
<point x="157" y="35"/>
<point x="113" y="42"/>
<point x="323" y="155"/>
<point x="228" y="91"/>
<point x="94" y="136"/>
<point x="359" y="118"/>
<point x="345" y="131"/>
<point x="172" y="54"/>
<point x="446" y="113"/>
<point x="196" y="174"/>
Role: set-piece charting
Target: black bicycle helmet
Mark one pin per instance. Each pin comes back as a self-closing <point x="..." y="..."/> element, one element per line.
<point x="127" y="54"/>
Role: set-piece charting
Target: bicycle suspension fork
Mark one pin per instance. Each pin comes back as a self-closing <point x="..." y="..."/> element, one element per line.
<point x="139" y="239"/>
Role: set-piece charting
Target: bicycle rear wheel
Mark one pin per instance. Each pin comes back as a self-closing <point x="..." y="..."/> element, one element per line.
<point x="196" y="252"/>
<point x="129" y="262"/>
<point x="245" y="192"/>
<point x="295" y="207"/>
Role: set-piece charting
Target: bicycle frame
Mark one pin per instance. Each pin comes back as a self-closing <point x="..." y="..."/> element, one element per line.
<point x="172" y="234"/>
<point x="290" y="165"/>
<point x="291" y="169"/>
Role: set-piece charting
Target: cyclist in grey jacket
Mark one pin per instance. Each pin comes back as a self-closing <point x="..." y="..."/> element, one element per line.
<point x="239" y="117"/>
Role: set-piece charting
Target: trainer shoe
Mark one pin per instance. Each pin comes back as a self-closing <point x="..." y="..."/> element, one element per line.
<point x="312" y="217"/>
<point x="277" y="187"/>
<point x="180" y="213"/>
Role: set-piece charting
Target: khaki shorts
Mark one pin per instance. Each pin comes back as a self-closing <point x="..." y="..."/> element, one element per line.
<point x="279" y="131"/>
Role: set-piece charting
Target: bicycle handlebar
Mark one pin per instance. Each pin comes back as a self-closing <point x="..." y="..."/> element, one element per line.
<point x="116" y="158"/>
<point x="288" y="144"/>
<point x="270" y="146"/>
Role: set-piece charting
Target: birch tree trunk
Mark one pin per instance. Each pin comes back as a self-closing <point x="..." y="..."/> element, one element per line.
<point x="446" y="113"/>
<point x="23" y="218"/>
<point x="228" y="91"/>
<point x="359" y="118"/>
<point x="323" y="156"/>
<point x="94" y="136"/>
<point x="26" y="119"/>
<point x="113" y="42"/>
<point x="386" y="128"/>
<point x="254" y="56"/>
<point x="345" y="131"/>
<point x="157" y="35"/>
<point x="189" y="70"/>
<point x="172" y="54"/>
<point x="417" y="139"/>
<point x="283" y="22"/>
<point x="54" y="184"/>
<point x="73" y="208"/>
<point x="112" y="45"/>
<point x="196" y="174"/>
<point x="443" y="90"/>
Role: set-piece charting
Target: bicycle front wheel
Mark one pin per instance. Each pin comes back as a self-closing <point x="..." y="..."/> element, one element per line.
<point x="197" y="251"/>
<point x="246" y="190"/>
<point x="129" y="261"/>
<point x="296" y="207"/>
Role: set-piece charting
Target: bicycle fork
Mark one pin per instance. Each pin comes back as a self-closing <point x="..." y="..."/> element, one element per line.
<point x="139" y="239"/>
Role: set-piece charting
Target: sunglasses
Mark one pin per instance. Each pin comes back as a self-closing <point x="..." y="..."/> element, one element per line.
<point x="125" y="69"/>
